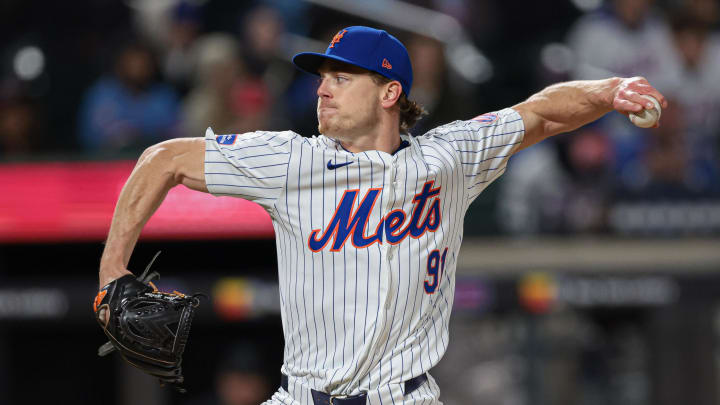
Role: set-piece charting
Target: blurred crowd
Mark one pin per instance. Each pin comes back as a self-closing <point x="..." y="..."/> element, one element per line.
<point x="244" y="375"/>
<point x="612" y="175"/>
<point x="169" y="74"/>
<point x="152" y="70"/>
<point x="173" y="79"/>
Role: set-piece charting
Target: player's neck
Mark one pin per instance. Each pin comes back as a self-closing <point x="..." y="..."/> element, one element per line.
<point x="384" y="138"/>
<point x="385" y="144"/>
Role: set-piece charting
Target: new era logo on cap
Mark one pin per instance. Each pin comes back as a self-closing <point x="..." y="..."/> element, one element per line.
<point x="365" y="47"/>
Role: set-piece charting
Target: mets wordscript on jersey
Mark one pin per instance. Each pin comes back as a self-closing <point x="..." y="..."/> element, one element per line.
<point x="393" y="227"/>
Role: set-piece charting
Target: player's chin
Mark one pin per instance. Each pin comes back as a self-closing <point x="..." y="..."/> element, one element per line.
<point x="324" y="115"/>
<point x="324" y="125"/>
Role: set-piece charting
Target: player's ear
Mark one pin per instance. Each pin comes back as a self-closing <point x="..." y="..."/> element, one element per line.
<point x="391" y="93"/>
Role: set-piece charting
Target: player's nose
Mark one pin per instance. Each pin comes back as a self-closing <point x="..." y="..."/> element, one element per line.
<point x="323" y="90"/>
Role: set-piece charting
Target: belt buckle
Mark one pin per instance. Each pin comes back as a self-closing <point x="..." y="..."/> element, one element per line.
<point x="332" y="398"/>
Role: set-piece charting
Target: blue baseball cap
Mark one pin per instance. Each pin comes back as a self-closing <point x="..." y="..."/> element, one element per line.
<point x="365" y="47"/>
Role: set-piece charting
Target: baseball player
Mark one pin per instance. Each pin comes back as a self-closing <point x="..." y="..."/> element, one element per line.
<point x="368" y="219"/>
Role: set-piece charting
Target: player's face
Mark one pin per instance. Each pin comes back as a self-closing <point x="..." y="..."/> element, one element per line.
<point x="348" y="101"/>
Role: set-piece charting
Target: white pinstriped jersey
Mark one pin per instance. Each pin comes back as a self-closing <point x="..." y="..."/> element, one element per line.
<point x="367" y="242"/>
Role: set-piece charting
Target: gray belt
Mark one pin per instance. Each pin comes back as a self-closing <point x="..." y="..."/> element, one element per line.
<point x="321" y="398"/>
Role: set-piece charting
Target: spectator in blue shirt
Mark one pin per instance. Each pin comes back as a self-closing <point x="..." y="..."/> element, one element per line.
<point x="128" y="110"/>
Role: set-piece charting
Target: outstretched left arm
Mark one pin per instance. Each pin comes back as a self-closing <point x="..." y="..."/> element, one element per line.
<point x="564" y="107"/>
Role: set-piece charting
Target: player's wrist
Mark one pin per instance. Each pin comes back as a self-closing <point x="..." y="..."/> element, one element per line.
<point x="612" y="86"/>
<point x="107" y="275"/>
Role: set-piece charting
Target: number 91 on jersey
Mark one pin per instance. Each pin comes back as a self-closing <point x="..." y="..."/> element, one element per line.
<point x="435" y="269"/>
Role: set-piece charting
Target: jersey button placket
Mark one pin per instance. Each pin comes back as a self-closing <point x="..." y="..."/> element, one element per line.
<point x="389" y="207"/>
<point x="395" y="186"/>
<point x="389" y="249"/>
<point x="396" y="183"/>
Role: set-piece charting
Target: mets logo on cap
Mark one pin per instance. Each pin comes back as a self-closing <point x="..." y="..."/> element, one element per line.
<point x="337" y="38"/>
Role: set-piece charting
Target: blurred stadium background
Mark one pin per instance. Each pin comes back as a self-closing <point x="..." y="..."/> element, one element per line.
<point x="589" y="274"/>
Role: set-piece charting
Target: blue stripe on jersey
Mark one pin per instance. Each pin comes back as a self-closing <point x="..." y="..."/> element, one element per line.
<point x="246" y="140"/>
<point x="484" y="138"/>
<point x="488" y="181"/>
<point x="355" y="290"/>
<point x="471" y="125"/>
<point x="485" y="160"/>
<point x="422" y="314"/>
<point x="497" y="124"/>
<point x="244" y="137"/>
<point x="304" y="257"/>
<point x="253" y="156"/>
<point x="481" y="139"/>
<point x="245" y="175"/>
<point x="241" y="186"/>
<point x="379" y="250"/>
<point x="367" y="268"/>
<point x="292" y="293"/>
<point x="397" y="293"/>
<point x="493" y="147"/>
<point x="244" y="196"/>
<point x="427" y="155"/>
<point x="248" y="147"/>
<point x="449" y="184"/>
<point x="409" y="245"/>
<point x="483" y="171"/>
<point x="248" y="167"/>
<point x="335" y="202"/>
<point x="312" y="267"/>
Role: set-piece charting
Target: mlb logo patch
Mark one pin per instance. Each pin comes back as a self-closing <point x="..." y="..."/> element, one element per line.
<point x="486" y="118"/>
<point x="226" y="139"/>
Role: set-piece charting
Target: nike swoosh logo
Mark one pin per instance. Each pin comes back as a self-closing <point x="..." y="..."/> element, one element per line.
<point x="331" y="166"/>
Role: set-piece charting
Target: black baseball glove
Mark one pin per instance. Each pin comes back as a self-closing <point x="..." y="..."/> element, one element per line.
<point x="148" y="327"/>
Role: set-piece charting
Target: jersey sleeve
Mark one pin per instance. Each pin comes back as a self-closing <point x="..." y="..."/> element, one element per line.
<point x="252" y="166"/>
<point x="484" y="145"/>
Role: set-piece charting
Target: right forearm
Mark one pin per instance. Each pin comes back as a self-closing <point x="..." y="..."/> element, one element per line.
<point x="142" y="194"/>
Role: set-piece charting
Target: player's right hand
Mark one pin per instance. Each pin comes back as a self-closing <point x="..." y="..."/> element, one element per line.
<point x="628" y="95"/>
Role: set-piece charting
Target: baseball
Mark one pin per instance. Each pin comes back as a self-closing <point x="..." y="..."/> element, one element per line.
<point x="647" y="117"/>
